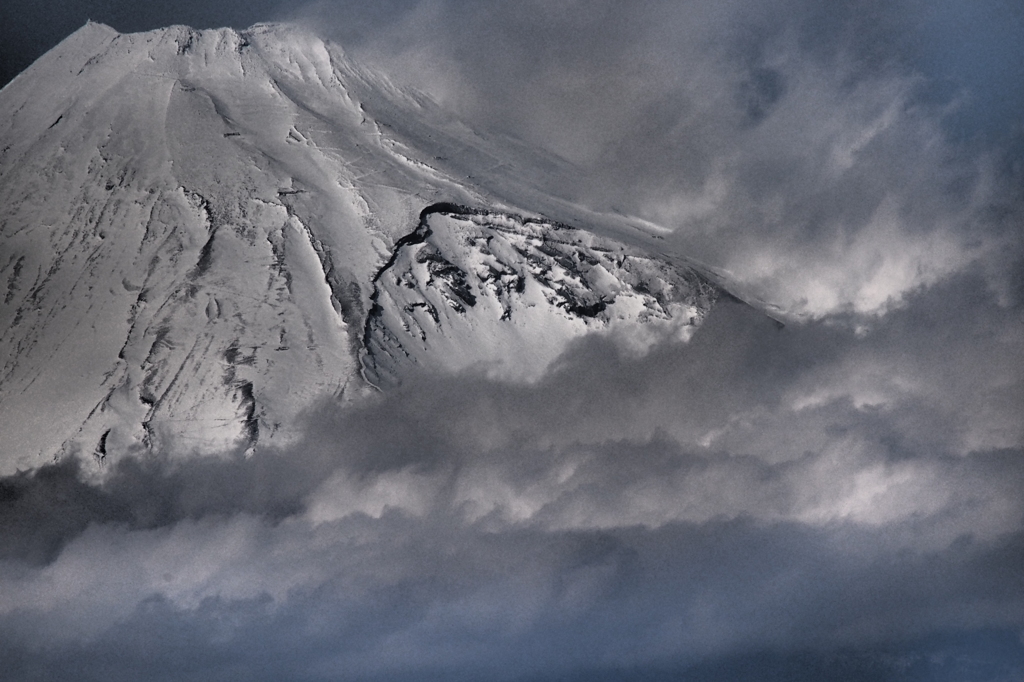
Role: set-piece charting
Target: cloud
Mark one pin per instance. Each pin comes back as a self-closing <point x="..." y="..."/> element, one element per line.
<point x="810" y="154"/>
<point x="833" y="161"/>
<point x="802" y="490"/>
<point x="393" y="597"/>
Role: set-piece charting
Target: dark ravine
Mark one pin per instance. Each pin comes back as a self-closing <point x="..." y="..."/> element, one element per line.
<point x="250" y="420"/>
<point x="417" y="236"/>
<point x="565" y="262"/>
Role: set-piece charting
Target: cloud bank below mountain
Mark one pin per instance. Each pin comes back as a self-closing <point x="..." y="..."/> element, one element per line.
<point x="620" y="515"/>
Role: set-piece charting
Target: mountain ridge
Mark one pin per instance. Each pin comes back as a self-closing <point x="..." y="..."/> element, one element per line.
<point x="195" y="224"/>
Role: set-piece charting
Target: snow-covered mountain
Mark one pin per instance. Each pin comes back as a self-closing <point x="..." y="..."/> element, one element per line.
<point x="204" y="232"/>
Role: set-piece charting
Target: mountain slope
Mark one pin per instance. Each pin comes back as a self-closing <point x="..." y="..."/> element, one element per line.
<point x="504" y="294"/>
<point x="204" y="232"/>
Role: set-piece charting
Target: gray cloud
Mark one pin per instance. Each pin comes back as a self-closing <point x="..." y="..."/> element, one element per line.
<point x="832" y="158"/>
<point x="241" y="597"/>
<point x="809" y="151"/>
<point x="587" y="522"/>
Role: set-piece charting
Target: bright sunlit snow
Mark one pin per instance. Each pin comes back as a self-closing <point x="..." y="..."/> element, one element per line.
<point x="194" y="227"/>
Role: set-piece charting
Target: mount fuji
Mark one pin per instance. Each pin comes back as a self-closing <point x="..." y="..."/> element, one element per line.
<point x="203" y="233"/>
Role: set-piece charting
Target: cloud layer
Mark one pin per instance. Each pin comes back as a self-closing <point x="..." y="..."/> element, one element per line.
<point x="695" y="509"/>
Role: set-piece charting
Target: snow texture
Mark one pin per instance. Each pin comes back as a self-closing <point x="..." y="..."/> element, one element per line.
<point x="503" y="294"/>
<point x="202" y="233"/>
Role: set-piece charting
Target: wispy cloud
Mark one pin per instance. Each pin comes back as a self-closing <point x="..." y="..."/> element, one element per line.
<point x="818" y="156"/>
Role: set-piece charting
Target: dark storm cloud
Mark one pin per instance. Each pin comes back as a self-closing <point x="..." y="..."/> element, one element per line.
<point x="434" y="597"/>
<point x="43" y="509"/>
<point x="588" y="522"/>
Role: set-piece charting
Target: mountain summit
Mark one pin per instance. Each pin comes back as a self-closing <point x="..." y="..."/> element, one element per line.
<point x="202" y="233"/>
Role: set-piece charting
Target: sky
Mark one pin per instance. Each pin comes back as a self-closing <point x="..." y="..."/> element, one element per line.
<point x="837" y="498"/>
